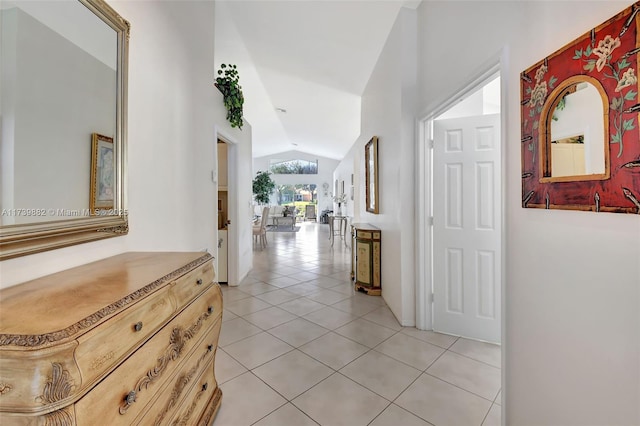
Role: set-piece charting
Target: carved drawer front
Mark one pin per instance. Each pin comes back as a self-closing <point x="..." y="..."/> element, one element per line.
<point x="62" y="417"/>
<point x="189" y="285"/>
<point x="201" y="396"/>
<point x="52" y="385"/>
<point x="123" y="395"/>
<point x="24" y="389"/>
<point x="170" y="397"/>
<point x="106" y="344"/>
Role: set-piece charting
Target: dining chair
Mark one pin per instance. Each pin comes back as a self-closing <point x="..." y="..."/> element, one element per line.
<point x="310" y="212"/>
<point x="260" y="230"/>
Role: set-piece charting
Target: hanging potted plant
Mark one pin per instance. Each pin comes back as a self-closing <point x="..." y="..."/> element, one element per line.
<point x="263" y="187"/>
<point x="227" y="84"/>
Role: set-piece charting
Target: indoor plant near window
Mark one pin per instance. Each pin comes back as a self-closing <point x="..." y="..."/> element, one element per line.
<point x="263" y="187"/>
<point x="232" y="92"/>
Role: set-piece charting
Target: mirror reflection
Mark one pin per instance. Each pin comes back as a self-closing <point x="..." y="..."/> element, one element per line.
<point x="58" y="88"/>
<point x="577" y="132"/>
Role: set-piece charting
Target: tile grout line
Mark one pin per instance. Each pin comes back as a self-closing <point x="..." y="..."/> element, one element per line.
<point x="487" y="414"/>
<point x="453" y="384"/>
<point x="474" y="359"/>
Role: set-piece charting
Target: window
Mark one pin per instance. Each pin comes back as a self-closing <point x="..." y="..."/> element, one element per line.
<point x="293" y="167"/>
<point x="297" y="195"/>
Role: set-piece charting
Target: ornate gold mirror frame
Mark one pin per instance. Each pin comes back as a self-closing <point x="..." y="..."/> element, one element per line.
<point x="28" y="238"/>
<point x="371" y="175"/>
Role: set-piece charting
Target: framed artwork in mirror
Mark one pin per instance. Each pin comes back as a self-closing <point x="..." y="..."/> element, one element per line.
<point x="371" y="175"/>
<point x="351" y="189"/>
<point x="102" y="173"/>
<point x="580" y="114"/>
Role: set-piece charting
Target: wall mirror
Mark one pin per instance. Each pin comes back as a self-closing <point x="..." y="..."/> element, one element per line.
<point x="371" y="175"/>
<point x="579" y="120"/>
<point x="575" y="120"/>
<point x="63" y="81"/>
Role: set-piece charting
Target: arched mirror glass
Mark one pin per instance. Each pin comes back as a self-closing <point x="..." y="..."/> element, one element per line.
<point x="63" y="123"/>
<point x="574" y="132"/>
<point x="577" y="132"/>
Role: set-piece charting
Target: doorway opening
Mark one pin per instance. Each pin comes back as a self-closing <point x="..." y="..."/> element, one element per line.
<point x="228" y="210"/>
<point x="461" y="211"/>
<point x="223" y="212"/>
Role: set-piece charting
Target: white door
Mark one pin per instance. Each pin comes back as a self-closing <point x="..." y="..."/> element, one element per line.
<point x="467" y="227"/>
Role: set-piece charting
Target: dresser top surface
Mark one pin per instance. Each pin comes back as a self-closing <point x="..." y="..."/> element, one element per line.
<point x="57" y="301"/>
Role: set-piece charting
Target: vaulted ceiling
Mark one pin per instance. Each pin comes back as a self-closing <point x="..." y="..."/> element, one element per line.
<point x="303" y="67"/>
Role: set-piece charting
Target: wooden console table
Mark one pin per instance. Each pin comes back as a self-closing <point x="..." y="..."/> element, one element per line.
<point x="341" y="221"/>
<point x="365" y="258"/>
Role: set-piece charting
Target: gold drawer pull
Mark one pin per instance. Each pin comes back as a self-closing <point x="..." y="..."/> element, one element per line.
<point x="138" y="326"/>
<point x="210" y="310"/>
<point x="129" y="399"/>
<point x="205" y="386"/>
<point x="199" y="281"/>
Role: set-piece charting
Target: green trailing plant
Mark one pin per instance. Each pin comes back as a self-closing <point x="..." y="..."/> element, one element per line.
<point x="227" y="83"/>
<point x="263" y="187"/>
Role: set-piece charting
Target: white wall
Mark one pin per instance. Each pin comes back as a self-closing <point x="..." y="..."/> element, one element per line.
<point x="230" y="49"/>
<point x="571" y="336"/>
<point x="343" y="173"/>
<point x="326" y="167"/>
<point x="175" y="114"/>
<point x="388" y="112"/>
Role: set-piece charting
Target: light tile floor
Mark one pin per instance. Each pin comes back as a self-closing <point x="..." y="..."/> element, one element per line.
<point x="298" y="347"/>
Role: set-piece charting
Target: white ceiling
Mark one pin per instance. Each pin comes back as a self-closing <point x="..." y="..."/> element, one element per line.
<point x="312" y="58"/>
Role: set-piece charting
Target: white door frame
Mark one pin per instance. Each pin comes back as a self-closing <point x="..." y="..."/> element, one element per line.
<point x="233" y="208"/>
<point x="424" y="155"/>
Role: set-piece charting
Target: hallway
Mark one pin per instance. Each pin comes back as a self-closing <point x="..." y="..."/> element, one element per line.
<point x="299" y="347"/>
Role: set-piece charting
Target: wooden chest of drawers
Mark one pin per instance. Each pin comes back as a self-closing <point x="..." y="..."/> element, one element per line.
<point x="126" y="340"/>
<point x="365" y="258"/>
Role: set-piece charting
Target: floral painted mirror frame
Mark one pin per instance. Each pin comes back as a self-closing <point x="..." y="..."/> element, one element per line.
<point x="608" y="57"/>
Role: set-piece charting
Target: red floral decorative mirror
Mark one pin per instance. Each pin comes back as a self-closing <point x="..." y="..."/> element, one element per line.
<point x="580" y="115"/>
